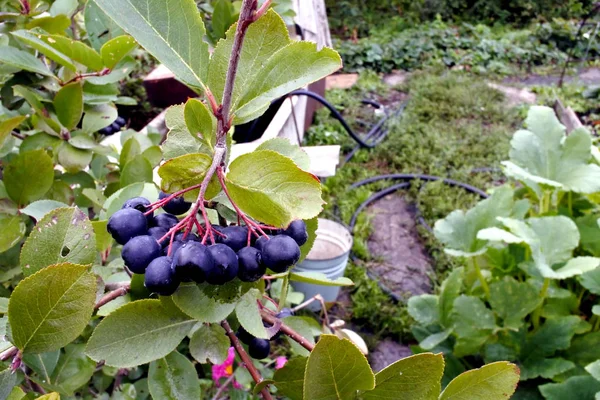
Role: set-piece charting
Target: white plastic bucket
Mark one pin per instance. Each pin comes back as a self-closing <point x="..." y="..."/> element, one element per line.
<point x="328" y="256"/>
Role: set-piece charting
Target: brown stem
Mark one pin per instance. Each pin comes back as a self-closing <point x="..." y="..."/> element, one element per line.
<point x="110" y="296"/>
<point x="245" y="359"/>
<point x="79" y="77"/>
<point x="18" y="135"/>
<point x="301" y="340"/>
<point x="262" y="10"/>
<point x="223" y="387"/>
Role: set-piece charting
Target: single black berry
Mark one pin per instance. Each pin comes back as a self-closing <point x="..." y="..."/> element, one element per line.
<point x="192" y="261"/>
<point x="243" y="335"/>
<point x="284" y="313"/>
<point x="120" y="121"/>
<point x="107" y="130"/>
<point x="297" y="231"/>
<point x="176" y="205"/>
<point x="280" y="253"/>
<point x="141" y="204"/>
<point x="139" y="252"/>
<point x="160" y="277"/>
<point x="157" y="232"/>
<point x="127" y="223"/>
<point x="259" y="348"/>
<point x="226" y="264"/>
<point x="165" y="220"/>
<point x="174" y="247"/>
<point x="235" y="237"/>
<point x="251" y="267"/>
<point x="260" y="242"/>
<point x="190" y="237"/>
<point x="115" y="127"/>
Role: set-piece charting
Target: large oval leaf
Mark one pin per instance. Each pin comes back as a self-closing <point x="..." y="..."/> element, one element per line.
<point x="210" y="343"/>
<point x="13" y="229"/>
<point x="186" y="171"/>
<point x="51" y="308"/>
<point x="68" y="104"/>
<point x="173" y="378"/>
<point x="29" y="176"/>
<point x="493" y="381"/>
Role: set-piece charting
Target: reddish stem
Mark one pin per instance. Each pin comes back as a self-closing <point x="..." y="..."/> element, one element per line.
<point x="158" y="204"/>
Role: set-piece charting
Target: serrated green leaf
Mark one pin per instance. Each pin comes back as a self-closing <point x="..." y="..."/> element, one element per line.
<point x="546" y="368"/>
<point x="72" y="158"/>
<point x="7" y="126"/>
<point x="23" y="60"/>
<point x="118" y="198"/>
<point x="513" y="301"/>
<point x="13" y="230"/>
<point x="52" y="24"/>
<point x="3" y="305"/>
<point x="83" y="141"/>
<point x="28" y="176"/>
<point x="68" y="104"/>
<point x="555" y="334"/>
<point x="590" y="234"/>
<point x="185" y="171"/>
<point x="16" y="394"/>
<point x="131" y="148"/>
<point x="8" y="380"/>
<point x="424" y="309"/>
<point x="336" y="369"/>
<point x="42" y="364"/>
<point x="222" y="18"/>
<point x="594" y="369"/>
<point x="98" y="116"/>
<point x="210" y="344"/>
<point x="115" y="49"/>
<point x="179" y="140"/>
<point x="62" y="235"/>
<point x="153" y="155"/>
<point x="179" y="46"/>
<point x="64" y="292"/>
<point x="75" y="50"/>
<point x="64" y="7"/>
<point x="584" y="349"/>
<point x="270" y="188"/>
<point x="458" y="231"/>
<point x="591" y="280"/>
<point x="200" y="122"/>
<point x="284" y="147"/>
<point x="472" y="320"/>
<point x="138" y="169"/>
<point x="40" y="141"/>
<point x="137" y="333"/>
<point x="289" y="380"/>
<point x="74" y="369"/>
<point x="544" y="155"/>
<point x="318" y="278"/>
<point x="576" y="387"/>
<point x="311" y="229"/>
<point x="415" y="377"/>
<point x="100" y="28"/>
<point x="435" y="339"/>
<point x="493" y="381"/>
<point x="248" y="314"/>
<point x="173" y="378"/>
<point x="103" y="238"/>
<point x="449" y="291"/>
<point x="34" y="40"/>
<point x="43" y="120"/>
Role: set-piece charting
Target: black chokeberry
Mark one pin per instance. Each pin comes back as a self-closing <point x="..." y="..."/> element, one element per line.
<point x="157" y="232"/>
<point x="165" y="220"/>
<point x="190" y="237"/>
<point x="174" y="247"/>
<point x="284" y="313"/>
<point x="297" y="231"/>
<point x="141" y="204"/>
<point x="259" y="348"/>
<point x="243" y="335"/>
<point x="127" y="223"/>
<point x="260" y="242"/>
<point x="226" y="264"/>
<point x="235" y="237"/>
<point x="120" y="121"/>
<point x="280" y="252"/>
<point x="139" y="251"/>
<point x="160" y="277"/>
<point x="176" y="205"/>
<point x="107" y="130"/>
<point x="192" y="261"/>
<point x="251" y="267"/>
<point x="115" y="127"/>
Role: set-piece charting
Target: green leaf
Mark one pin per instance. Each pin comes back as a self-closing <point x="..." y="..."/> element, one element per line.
<point x="57" y="24"/>
<point x="271" y="65"/>
<point x="64" y="7"/>
<point x="555" y="334"/>
<point x="185" y="171"/>
<point x="449" y="291"/>
<point x="435" y="339"/>
<point x="100" y="28"/>
<point x="472" y="319"/>
<point x="98" y="117"/>
<point x="43" y="364"/>
<point x="210" y="344"/>
<point x="16" y="394"/>
<point x="64" y="292"/>
<point x="49" y="396"/>
<point x="72" y="158"/>
<point x="131" y="149"/>
<point x="75" y="50"/>
<point x="544" y="156"/>
<point x="336" y="369"/>
<point x="415" y="377"/>
<point x="138" y="169"/>
<point x="284" y="147"/>
<point x="590" y="233"/>
<point x="594" y="369"/>
<point x="68" y="104"/>
<point x="7" y="126"/>
<point x="493" y="381"/>
<point x="424" y="309"/>
<point x="591" y="280"/>
<point x="311" y="229"/>
<point x="546" y="368"/>
<point x="8" y="380"/>
<point x="289" y="380"/>
<point x="270" y="188"/>
<point x="248" y="314"/>
<point x="200" y="122"/>
<point x="195" y="303"/>
<point x="28" y="176"/>
<point x="62" y="235"/>
<point x="584" y="349"/>
<point x="137" y="333"/>
<point x="318" y="278"/>
<point x="222" y="18"/>
<point x="173" y="378"/>
<point x="23" y="60"/>
<point x="576" y="387"/>
<point x="179" y="140"/>
<point x="13" y="230"/>
<point x="179" y="46"/>
<point x="118" y="198"/>
<point x="3" y="305"/>
<point x="513" y="301"/>
<point x="34" y="40"/>
<point x="458" y="231"/>
<point x="303" y="326"/>
<point x="74" y="369"/>
<point x="115" y="49"/>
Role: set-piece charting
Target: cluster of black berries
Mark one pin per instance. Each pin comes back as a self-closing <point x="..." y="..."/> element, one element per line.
<point x="260" y="348"/>
<point x="190" y="260"/>
<point x="114" y="127"/>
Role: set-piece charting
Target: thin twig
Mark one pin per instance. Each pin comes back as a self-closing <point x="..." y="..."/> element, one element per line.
<point x="301" y="340"/>
<point x="18" y="135"/>
<point x="223" y="387"/>
<point x="262" y="10"/>
<point x="8" y="353"/>
<point x="79" y="77"/>
<point x="246" y="359"/>
<point x="110" y="296"/>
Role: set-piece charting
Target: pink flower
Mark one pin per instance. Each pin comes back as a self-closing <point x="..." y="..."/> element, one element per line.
<point x="223" y="370"/>
<point x="280" y="362"/>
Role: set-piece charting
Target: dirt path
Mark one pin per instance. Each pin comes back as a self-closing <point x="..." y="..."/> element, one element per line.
<point x="587" y="76"/>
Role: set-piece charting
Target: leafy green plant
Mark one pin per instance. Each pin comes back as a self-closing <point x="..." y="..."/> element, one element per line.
<point x="527" y="294"/>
